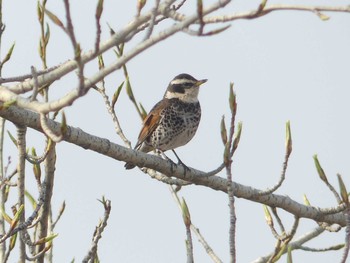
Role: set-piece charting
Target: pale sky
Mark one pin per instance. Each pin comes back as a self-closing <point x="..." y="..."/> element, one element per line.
<point x="285" y="66"/>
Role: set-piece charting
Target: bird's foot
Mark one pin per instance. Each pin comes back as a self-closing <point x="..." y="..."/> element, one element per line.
<point x="179" y="162"/>
<point x="184" y="166"/>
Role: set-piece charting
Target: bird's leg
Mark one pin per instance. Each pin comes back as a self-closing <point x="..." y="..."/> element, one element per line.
<point x="180" y="162"/>
<point x="168" y="159"/>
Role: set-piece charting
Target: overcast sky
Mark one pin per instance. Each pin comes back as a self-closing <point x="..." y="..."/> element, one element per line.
<point x="285" y="66"/>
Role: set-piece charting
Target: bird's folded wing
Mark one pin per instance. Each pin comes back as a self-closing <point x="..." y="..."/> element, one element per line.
<point x="151" y="122"/>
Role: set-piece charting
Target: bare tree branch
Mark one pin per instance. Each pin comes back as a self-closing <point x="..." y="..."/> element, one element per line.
<point x="21" y="143"/>
<point x="92" y="253"/>
<point x="43" y="226"/>
<point x="80" y="138"/>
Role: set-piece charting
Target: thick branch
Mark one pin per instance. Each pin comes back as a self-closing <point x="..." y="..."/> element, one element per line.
<point x="103" y="146"/>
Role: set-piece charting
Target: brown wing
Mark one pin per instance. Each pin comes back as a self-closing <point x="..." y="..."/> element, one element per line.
<point x="151" y="121"/>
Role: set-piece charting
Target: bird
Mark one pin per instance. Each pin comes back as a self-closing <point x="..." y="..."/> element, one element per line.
<point x="174" y="120"/>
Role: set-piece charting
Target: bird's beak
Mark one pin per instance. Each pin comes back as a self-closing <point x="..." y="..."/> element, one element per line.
<point x="200" y="82"/>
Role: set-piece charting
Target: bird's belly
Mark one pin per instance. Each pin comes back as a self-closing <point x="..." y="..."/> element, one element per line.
<point x="167" y="139"/>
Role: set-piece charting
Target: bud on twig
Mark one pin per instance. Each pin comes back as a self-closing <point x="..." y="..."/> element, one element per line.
<point x="343" y="191"/>
<point x="232" y="100"/>
<point x="16" y="218"/>
<point x="237" y="135"/>
<point x="8" y="55"/>
<point x="268" y="216"/>
<point x="185" y="213"/>
<point x="47" y="35"/>
<point x="31" y="199"/>
<point x="116" y="94"/>
<point x="101" y="63"/>
<point x="319" y="169"/>
<point x="36" y="167"/>
<point x="63" y="124"/>
<point x="12" y="138"/>
<point x="306" y="200"/>
<point x="5" y="216"/>
<point x="46" y="239"/>
<point x="54" y="18"/>
<point x="99" y="9"/>
<point x="129" y="91"/>
<point x="322" y="16"/>
<point x="13" y="240"/>
<point x="288" y="138"/>
<point x="40" y="13"/>
<point x="77" y="51"/>
<point x="223" y="130"/>
<point x="62" y="208"/>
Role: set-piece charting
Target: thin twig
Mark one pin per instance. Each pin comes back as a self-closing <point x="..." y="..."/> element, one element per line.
<point x="151" y="24"/>
<point x="29" y="220"/>
<point x="296" y="244"/>
<point x="202" y="240"/>
<point x="205" y="245"/>
<point x="347" y="236"/>
<point x="47" y="130"/>
<point x="3" y="253"/>
<point x="279" y="221"/>
<point x="21" y="143"/>
<point x="230" y="148"/>
<point x="252" y="14"/>
<point x="189" y="244"/>
<point x="165" y="179"/>
<point x="28" y="76"/>
<point x="285" y="163"/>
<point x="76" y="48"/>
<point x="112" y="113"/>
<point x="36" y="87"/>
<point x="330" y="248"/>
<point x="43" y="226"/>
<point x="60" y="213"/>
<point x="69" y="98"/>
<point x="98" y="14"/>
<point x="91" y="255"/>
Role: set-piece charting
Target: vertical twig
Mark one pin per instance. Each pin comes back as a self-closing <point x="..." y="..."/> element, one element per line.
<point x="200" y="16"/>
<point x="2" y="189"/>
<point x="345" y="199"/>
<point x="43" y="225"/>
<point x="92" y="253"/>
<point x="2" y="176"/>
<point x="153" y="20"/>
<point x="186" y="216"/>
<point x="111" y="111"/>
<point x="21" y="145"/>
<point x="230" y="147"/>
<point x="232" y="231"/>
<point x="347" y="236"/>
<point x="98" y="13"/>
<point x="289" y="147"/>
<point x="195" y="230"/>
<point x="76" y="46"/>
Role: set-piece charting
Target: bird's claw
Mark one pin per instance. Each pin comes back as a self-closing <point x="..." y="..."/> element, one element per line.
<point x="172" y="163"/>
<point x="184" y="166"/>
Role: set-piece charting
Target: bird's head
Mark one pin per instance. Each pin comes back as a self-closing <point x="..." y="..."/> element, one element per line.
<point x="184" y="87"/>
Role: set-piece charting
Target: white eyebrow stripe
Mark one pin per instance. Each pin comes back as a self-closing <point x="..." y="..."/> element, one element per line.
<point x="181" y="81"/>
